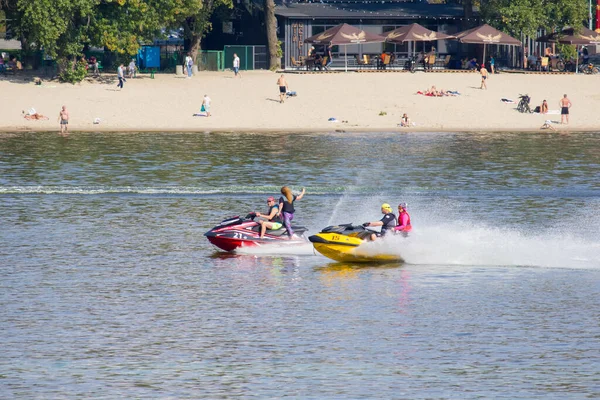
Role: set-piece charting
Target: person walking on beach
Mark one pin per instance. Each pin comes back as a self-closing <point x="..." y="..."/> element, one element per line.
<point x="236" y="65"/>
<point x="131" y="69"/>
<point x="283" y="88"/>
<point x="63" y="117"/>
<point x="189" y="61"/>
<point x="206" y="104"/>
<point x="564" y="104"/>
<point x="286" y="207"/>
<point x="121" y="76"/>
<point x="484" y="75"/>
<point x="329" y="57"/>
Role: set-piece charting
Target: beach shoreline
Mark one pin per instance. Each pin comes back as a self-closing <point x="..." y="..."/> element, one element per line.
<point x="370" y="102"/>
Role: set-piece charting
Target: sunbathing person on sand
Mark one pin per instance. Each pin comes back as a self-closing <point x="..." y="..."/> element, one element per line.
<point x="435" y="92"/>
<point x="35" y="116"/>
<point x="432" y="92"/>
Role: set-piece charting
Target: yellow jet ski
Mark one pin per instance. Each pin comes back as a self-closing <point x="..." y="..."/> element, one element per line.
<point x="341" y="243"/>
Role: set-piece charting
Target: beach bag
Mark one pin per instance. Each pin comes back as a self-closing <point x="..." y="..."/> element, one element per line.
<point x="537" y="109"/>
<point x="202" y="109"/>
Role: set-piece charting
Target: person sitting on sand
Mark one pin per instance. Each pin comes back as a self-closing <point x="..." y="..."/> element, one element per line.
<point x="206" y="104"/>
<point x="405" y="121"/>
<point x="547" y="125"/>
<point x="544" y="107"/>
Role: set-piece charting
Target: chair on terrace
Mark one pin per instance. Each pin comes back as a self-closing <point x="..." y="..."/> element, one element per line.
<point x="386" y="60"/>
<point x="443" y="63"/>
<point x="296" y="64"/>
<point x="360" y="62"/>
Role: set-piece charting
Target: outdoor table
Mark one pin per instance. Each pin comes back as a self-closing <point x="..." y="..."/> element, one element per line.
<point x="310" y="63"/>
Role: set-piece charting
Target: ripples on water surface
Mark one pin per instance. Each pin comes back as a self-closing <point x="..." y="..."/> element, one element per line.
<point x="109" y="289"/>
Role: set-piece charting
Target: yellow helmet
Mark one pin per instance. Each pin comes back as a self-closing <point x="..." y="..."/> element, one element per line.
<point x="387" y="207"/>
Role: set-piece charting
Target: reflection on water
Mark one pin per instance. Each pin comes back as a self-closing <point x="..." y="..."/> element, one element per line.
<point x="110" y="290"/>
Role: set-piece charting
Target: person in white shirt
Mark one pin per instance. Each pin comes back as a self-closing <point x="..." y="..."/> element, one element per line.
<point x="206" y="104"/>
<point x="131" y="69"/>
<point x="121" y="76"/>
<point x="236" y="65"/>
<point x="188" y="64"/>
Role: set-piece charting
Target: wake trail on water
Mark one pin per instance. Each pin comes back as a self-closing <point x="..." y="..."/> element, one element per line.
<point x="473" y="244"/>
<point x="160" y="190"/>
<point x="572" y="241"/>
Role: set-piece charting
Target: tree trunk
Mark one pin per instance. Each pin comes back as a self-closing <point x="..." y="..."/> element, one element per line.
<point x="195" y="43"/>
<point x="271" y="24"/>
<point x="467" y="13"/>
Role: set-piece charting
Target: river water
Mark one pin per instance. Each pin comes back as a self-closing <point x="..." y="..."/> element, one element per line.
<point x="110" y="290"/>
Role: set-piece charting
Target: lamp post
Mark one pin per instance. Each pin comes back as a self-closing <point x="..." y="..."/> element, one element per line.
<point x="590" y="15"/>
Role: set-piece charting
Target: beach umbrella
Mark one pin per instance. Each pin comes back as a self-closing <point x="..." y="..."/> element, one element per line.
<point x="485" y="35"/>
<point x="343" y="35"/>
<point x="568" y="35"/>
<point x="414" y="33"/>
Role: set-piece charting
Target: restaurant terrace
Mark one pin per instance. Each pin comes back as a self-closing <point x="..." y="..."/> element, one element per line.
<point x="299" y="20"/>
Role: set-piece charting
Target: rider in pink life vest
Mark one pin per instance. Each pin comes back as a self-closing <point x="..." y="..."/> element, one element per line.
<point x="403" y="219"/>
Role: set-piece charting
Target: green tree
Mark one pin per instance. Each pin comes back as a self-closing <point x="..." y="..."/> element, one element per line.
<point x="195" y="17"/>
<point x="527" y="16"/>
<point x="62" y="28"/>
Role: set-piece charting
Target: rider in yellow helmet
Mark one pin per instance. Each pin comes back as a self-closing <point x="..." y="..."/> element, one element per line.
<point x="388" y="222"/>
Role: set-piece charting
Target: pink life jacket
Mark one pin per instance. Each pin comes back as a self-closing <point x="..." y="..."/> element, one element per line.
<point x="403" y="223"/>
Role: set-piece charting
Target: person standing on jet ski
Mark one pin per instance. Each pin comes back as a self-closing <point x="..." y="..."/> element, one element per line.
<point x="388" y="222"/>
<point x="404" y="225"/>
<point x="273" y="219"/>
<point x="286" y="207"/>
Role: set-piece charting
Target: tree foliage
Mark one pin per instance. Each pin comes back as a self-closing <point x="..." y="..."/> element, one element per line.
<point x="58" y="26"/>
<point x="527" y="16"/>
<point x="194" y="16"/>
<point x="63" y="27"/>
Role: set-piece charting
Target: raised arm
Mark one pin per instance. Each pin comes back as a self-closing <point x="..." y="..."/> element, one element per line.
<point x="301" y="195"/>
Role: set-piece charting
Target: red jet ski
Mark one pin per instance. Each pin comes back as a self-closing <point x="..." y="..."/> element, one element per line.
<point x="237" y="232"/>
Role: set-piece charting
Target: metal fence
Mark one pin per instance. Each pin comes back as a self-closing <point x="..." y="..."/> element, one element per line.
<point x="251" y="57"/>
<point x="211" y="60"/>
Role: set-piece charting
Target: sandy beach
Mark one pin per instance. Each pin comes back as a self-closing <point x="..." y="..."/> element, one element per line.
<point x="251" y="104"/>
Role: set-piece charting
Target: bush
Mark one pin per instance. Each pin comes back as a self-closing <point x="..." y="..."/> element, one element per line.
<point x="72" y="72"/>
<point x="567" y="50"/>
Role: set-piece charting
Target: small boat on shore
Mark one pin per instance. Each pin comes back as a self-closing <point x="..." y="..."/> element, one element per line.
<point x="342" y="243"/>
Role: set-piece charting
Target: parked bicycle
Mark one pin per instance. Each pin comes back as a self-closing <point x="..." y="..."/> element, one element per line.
<point x="411" y="64"/>
<point x="565" y="65"/>
<point x="588" y="69"/>
<point x="523" y="106"/>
